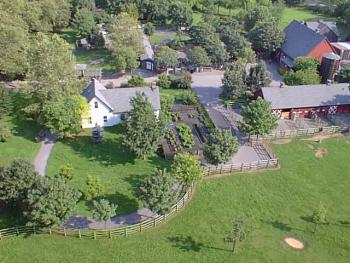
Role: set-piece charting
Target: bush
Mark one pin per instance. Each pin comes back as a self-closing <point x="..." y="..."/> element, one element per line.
<point x="181" y="80"/>
<point x="94" y="187"/>
<point x="186" y="136"/>
<point x="97" y="40"/>
<point x="189" y="98"/>
<point x="5" y="132"/>
<point x="149" y="29"/>
<point x="66" y="171"/>
<point x="136" y="81"/>
<point x="163" y="81"/>
<point x="171" y="137"/>
<point x="282" y="71"/>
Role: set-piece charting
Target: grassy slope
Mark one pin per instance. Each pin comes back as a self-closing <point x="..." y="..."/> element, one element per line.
<point x="276" y="204"/>
<point x="119" y="171"/>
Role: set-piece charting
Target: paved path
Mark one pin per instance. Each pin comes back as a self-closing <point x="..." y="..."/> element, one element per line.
<point x="208" y="88"/>
<point x="80" y="222"/>
<point x="44" y="154"/>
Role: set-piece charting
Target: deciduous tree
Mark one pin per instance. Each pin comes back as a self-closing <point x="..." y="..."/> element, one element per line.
<point x="50" y="202"/>
<point x="103" y="210"/>
<point x="319" y="216"/>
<point x="166" y="58"/>
<point x="258" y="76"/>
<point x="94" y="187"/>
<point x="158" y="193"/>
<point x="220" y="147"/>
<point x="198" y="57"/>
<point x="258" y="118"/>
<point x="237" y="233"/>
<point x="186" y="168"/>
<point x="234" y="81"/>
<point x="84" y="22"/>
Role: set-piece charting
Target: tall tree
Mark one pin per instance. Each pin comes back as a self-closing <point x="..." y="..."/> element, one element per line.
<point x="220" y="147"/>
<point x="84" y="22"/>
<point x="186" y="169"/>
<point x="13" y="46"/>
<point x="258" y="76"/>
<point x="157" y="192"/>
<point x="234" y="81"/>
<point x="344" y="74"/>
<point x="181" y="14"/>
<point x="103" y="210"/>
<point x="126" y="58"/>
<point x="51" y="72"/>
<point x="143" y="129"/>
<point x="16" y="180"/>
<point x="255" y="15"/>
<point x="198" y="57"/>
<point x="166" y="58"/>
<point x="63" y="116"/>
<point x="258" y="118"/>
<point x="50" y="202"/>
<point x="266" y="37"/>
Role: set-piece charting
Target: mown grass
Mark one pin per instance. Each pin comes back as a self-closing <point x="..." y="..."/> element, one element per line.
<point x="299" y="14"/>
<point x="119" y="171"/>
<point x="276" y="204"/>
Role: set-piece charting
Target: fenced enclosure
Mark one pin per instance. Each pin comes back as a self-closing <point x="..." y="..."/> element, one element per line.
<point x="300" y="133"/>
<point x="101" y="233"/>
<point x="240" y="167"/>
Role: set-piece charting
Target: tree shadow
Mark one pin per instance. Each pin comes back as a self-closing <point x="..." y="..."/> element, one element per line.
<point x="279" y="225"/>
<point x="344" y="223"/>
<point x="125" y="203"/>
<point x="186" y="243"/>
<point x="307" y="219"/>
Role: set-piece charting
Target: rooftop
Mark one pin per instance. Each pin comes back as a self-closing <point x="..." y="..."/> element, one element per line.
<point x="149" y="54"/>
<point x="307" y="96"/>
<point x="118" y="99"/>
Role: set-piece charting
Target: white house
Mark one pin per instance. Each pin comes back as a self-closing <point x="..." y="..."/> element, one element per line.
<point x="109" y="107"/>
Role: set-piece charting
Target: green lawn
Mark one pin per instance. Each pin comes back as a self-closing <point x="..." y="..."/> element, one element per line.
<point x="119" y="171"/>
<point x="277" y="204"/>
<point x="22" y="144"/>
<point x="299" y="14"/>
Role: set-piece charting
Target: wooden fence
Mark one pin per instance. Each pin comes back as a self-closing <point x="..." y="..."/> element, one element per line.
<point x="300" y="132"/>
<point x="240" y="167"/>
<point x="101" y="233"/>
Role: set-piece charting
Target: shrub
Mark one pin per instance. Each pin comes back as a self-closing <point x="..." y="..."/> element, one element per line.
<point x="149" y="29"/>
<point x="181" y="80"/>
<point x="163" y="81"/>
<point x="94" y="187"/>
<point x="136" y="81"/>
<point x="186" y="136"/>
<point x="109" y="85"/>
<point x="66" y="171"/>
<point x="5" y="132"/>
<point x="171" y="137"/>
<point x="189" y="98"/>
<point x="186" y="168"/>
<point x="282" y="71"/>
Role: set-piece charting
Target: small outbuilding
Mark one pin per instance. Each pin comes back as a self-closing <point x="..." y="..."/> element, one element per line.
<point x="147" y="58"/>
<point x="291" y="102"/>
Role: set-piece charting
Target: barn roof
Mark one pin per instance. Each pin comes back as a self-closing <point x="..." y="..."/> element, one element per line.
<point x="118" y="99"/>
<point x="148" y="50"/>
<point x="321" y="26"/>
<point x="300" y="40"/>
<point x="306" y="96"/>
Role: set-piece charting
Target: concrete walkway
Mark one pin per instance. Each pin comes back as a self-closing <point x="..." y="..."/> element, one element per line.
<point x="44" y="154"/>
<point x="81" y="222"/>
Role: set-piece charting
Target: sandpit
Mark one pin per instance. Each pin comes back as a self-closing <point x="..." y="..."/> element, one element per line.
<point x="294" y="243"/>
<point x="321" y="152"/>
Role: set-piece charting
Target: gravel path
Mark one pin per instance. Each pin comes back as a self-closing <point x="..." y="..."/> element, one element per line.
<point x="80" y="222"/>
<point x="44" y="154"/>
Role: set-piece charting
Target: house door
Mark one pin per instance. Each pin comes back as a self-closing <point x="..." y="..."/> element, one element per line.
<point x="149" y="65"/>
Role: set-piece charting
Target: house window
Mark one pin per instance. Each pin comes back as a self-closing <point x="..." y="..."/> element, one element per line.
<point x="104" y="118"/>
<point x="90" y="120"/>
<point x="96" y="104"/>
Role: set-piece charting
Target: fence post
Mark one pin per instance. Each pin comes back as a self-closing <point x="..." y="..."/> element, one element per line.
<point x="164" y="218"/>
<point x="183" y="201"/>
<point x="79" y="233"/>
<point x="17" y="231"/>
<point x="0" y="236"/>
<point x="221" y="169"/>
<point x="209" y="171"/>
<point x="109" y="234"/>
<point x="94" y="234"/>
<point x="154" y="222"/>
<point x="64" y="230"/>
<point x="50" y="231"/>
<point x="268" y="163"/>
<point x="231" y="168"/>
<point x="176" y="208"/>
<point x="242" y="167"/>
<point x="34" y="229"/>
<point x="140" y="227"/>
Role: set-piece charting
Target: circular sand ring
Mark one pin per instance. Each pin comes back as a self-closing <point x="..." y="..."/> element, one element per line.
<point x="294" y="243"/>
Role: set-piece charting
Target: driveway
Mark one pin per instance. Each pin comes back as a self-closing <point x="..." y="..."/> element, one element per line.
<point x="276" y="77"/>
<point x="207" y="85"/>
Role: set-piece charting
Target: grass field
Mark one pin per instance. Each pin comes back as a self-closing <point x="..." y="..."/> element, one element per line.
<point x="119" y="171"/>
<point x="276" y="204"/>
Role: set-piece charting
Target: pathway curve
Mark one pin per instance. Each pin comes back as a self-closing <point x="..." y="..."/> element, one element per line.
<point x="80" y="222"/>
<point x="44" y="153"/>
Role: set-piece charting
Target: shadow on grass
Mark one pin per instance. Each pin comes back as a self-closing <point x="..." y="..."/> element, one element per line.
<point x="279" y="225"/>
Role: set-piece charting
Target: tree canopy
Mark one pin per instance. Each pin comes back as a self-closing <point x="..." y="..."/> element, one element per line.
<point x="198" y="57"/>
<point x="186" y="168"/>
<point x="166" y="58"/>
<point x="84" y="21"/>
<point x="258" y="118"/>
<point x="143" y="129"/>
<point x="258" y="76"/>
<point x="234" y="81"/>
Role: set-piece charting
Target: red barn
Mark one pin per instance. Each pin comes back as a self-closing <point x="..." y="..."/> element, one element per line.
<point x="308" y="100"/>
<point x="301" y="41"/>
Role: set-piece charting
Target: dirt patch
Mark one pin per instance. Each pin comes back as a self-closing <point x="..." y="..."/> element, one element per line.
<point x="319" y="138"/>
<point x="282" y="141"/>
<point x="310" y="146"/>
<point x="321" y="152"/>
<point x="294" y="243"/>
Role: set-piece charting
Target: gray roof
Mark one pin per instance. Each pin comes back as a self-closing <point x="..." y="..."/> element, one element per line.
<point x="300" y="40"/>
<point x="321" y="25"/>
<point x="148" y="54"/>
<point x="118" y="99"/>
<point x="307" y="96"/>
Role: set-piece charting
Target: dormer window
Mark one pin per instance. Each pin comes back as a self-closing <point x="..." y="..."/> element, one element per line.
<point x="96" y="104"/>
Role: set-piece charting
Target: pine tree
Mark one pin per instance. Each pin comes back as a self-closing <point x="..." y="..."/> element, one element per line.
<point x="103" y="210"/>
<point x="143" y="129"/>
<point x="157" y="192"/>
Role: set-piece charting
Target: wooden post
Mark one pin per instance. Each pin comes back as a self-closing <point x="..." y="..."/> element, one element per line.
<point x="50" y="231"/>
<point x="164" y="218"/>
<point x="64" y="230"/>
<point x="209" y="171"/>
<point x="242" y="166"/>
<point x="34" y="229"/>
<point x="140" y="227"/>
<point x="17" y="231"/>
<point x="231" y="168"/>
<point x="176" y="208"/>
<point x="221" y="169"/>
<point x="79" y="233"/>
<point x="125" y="232"/>
<point x="95" y="235"/>
<point x="183" y="201"/>
<point x="109" y="234"/>
<point x="268" y="163"/>
<point x="154" y="222"/>
<point x="0" y="236"/>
